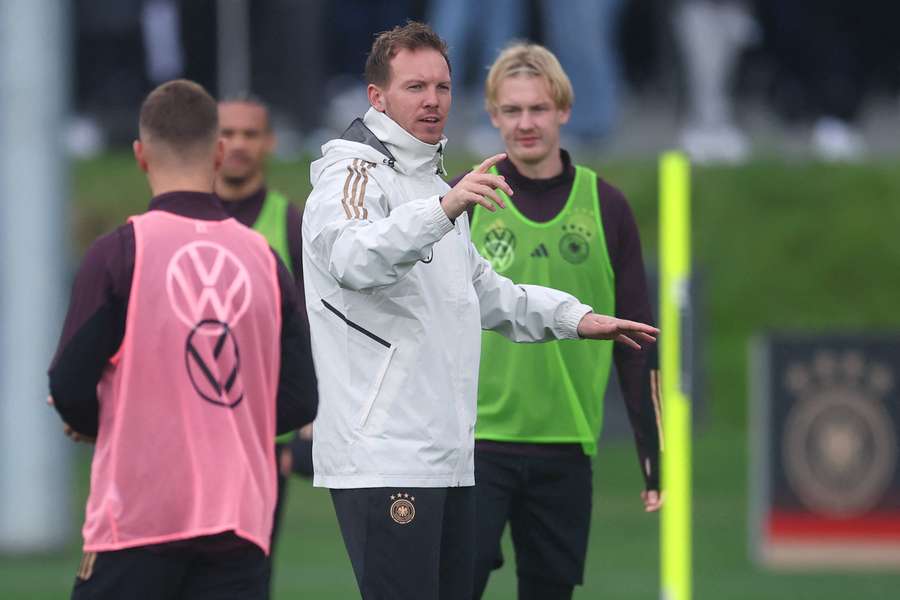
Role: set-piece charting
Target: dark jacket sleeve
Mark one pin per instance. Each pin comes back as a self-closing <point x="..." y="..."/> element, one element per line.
<point x="298" y="398"/>
<point x="93" y="329"/>
<point x="636" y="368"/>
<point x="294" y="224"/>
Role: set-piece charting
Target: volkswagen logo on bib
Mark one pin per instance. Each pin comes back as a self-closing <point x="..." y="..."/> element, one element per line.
<point x="499" y="247"/>
<point x="209" y="291"/>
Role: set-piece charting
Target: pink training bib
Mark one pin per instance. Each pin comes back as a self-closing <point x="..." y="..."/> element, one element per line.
<point x="187" y="405"/>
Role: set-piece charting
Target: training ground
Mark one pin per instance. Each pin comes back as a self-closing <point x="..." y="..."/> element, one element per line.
<point x="798" y="246"/>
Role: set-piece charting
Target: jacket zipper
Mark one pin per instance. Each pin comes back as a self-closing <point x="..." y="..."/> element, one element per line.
<point x="356" y="326"/>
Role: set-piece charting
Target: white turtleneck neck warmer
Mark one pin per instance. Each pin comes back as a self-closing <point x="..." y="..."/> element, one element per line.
<point x="411" y="153"/>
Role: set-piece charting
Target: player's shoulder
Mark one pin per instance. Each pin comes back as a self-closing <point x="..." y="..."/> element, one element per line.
<point x="110" y="256"/>
<point x="356" y="172"/>
<point x="609" y="193"/>
<point x="614" y="205"/>
<point x="112" y="242"/>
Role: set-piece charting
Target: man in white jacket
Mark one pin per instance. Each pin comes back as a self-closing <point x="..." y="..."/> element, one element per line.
<point x="397" y="297"/>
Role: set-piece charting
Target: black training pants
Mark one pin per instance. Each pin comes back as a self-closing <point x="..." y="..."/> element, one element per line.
<point x="145" y="573"/>
<point x="547" y="502"/>
<point x="409" y="542"/>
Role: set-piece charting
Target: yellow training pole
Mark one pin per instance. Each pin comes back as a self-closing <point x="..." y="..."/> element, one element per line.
<point x="675" y="271"/>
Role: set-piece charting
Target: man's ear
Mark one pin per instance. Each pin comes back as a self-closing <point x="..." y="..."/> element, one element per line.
<point x="376" y="97"/>
<point x="564" y="115"/>
<point x="219" y="155"/>
<point x="270" y="142"/>
<point x="139" y="155"/>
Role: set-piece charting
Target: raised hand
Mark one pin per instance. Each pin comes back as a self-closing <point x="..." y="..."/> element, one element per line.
<point x="603" y="327"/>
<point x="478" y="187"/>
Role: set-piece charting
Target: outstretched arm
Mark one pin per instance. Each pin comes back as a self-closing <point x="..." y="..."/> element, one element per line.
<point x="603" y="327"/>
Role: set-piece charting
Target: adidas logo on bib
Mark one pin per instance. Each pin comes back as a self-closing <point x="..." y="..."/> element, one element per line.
<point x="540" y="251"/>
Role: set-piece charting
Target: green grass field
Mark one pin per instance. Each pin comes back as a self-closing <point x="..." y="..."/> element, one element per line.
<point x="801" y="247"/>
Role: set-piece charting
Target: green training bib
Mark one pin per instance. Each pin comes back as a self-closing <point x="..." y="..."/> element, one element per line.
<point x="272" y="223"/>
<point x="550" y="392"/>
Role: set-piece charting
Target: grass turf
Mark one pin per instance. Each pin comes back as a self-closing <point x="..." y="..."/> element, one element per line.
<point x="779" y="246"/>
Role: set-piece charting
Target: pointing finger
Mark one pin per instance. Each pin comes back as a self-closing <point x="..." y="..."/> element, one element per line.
<point x="487" y="192"/>
<point x="490" y="162"/>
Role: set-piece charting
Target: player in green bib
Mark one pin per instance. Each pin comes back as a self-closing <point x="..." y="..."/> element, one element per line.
<point x="540" y="406"/>
<point x="240" y="184"/>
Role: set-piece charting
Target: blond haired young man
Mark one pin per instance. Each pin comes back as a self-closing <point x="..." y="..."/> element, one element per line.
<point x="540" y="407"/>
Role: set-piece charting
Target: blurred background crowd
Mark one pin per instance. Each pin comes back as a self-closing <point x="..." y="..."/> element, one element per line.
<point x="724" y="79"/>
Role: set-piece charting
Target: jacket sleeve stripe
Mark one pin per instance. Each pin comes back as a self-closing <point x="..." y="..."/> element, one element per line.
<point x="361" y="197"/>
<point x="357" y="164"/>
<point x="351" y="174"/>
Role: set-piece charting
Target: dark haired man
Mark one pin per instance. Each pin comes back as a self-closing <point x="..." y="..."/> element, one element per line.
<point x="183" y="353"/>
<point x="248" y="141"/>
<point x="397" y="296"/>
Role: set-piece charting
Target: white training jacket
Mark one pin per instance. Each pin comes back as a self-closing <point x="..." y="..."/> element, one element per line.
<point x="397" y="297"/>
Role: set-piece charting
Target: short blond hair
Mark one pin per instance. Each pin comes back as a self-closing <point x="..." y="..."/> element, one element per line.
<point x="522" y="59"/>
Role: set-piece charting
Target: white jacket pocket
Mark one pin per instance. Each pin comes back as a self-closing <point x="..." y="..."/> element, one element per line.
<point x="370" y="357"/>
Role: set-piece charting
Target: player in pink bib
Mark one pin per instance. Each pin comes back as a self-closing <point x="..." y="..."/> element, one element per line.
<point x="196" y="357"/>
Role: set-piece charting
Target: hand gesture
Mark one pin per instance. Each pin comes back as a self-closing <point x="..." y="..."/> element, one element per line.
<point x="77" y="437"/>
<point x="653" y="500"/>
<point x="478" y="187"/>
<point x="603" y="327"/>
<point x="71" y="433"/>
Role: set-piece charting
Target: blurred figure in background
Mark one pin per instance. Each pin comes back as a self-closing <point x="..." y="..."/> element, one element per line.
<point x="350" y="26"/>
<point x="711" y="35"/>
<point x="122" y="48"/>
<point x="475" y="32"/>
<point x="288" y="65"/>
<point x="171" y="358"/>
<point x="248" y="140"/>
<point x="581" y="32"/>
<point x="822" y="67"/>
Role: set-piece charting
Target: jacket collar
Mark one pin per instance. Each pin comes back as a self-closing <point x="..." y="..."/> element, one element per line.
<point x="405" y="153"/>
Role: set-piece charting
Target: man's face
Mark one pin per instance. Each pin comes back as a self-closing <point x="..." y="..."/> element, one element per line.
<point x="244" y="130"/>
<point x="418" y="94"/>
<point x="528" y="119"/>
